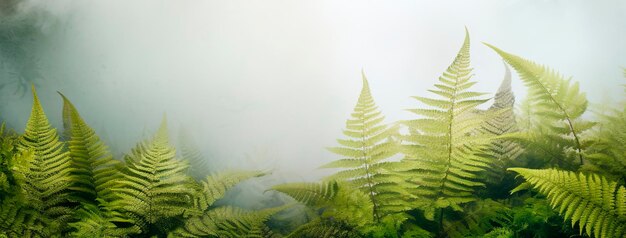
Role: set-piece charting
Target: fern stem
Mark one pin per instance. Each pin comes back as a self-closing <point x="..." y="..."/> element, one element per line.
<point x="368" y="175"/>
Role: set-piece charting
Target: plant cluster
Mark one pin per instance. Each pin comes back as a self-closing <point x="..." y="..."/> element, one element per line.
<point x="454" y="170"/>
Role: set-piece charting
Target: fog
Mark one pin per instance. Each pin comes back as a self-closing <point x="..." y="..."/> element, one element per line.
<point x="269" y="84"/>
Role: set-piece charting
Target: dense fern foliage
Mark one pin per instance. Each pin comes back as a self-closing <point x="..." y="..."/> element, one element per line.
<point x="455" y="168"/>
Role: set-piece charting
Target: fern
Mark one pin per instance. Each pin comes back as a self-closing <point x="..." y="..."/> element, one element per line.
<point x="556" y="99"/>
<point x="503" y="122"/>
<point x="95" y="169"/>
<point x="101" y="221"/>
<point x="478" y="219"/>
<point x="595" y="203"/>
<point x="198" y="164"/>
<point x="49" y="177"/>
<point x="216" y="185"/>
<point x="446" y="155"/>
<point x="18" y="220"/>
<point x="324" y="229"/>
<point x="155" y="191"/>
<point x="228" y="222"/>
<point x="365" y="153"/>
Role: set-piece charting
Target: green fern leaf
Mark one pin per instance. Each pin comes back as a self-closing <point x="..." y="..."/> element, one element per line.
<point x="95" y="168"/>
<point x="198" y="164"/>
<point x="49" y="178"/>
<point x="228" y="222"/>
<point x="365" y="152"/>
<point x="595" y="203"/>
<point x="155" y="188"/>
<point x="502" y="122"/>
<point x="556" y="99"/>
<point x="216" y="185"/>
<point x="445" y="154"/>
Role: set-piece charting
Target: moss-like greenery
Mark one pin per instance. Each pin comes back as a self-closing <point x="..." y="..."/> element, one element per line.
<point x="458" y="171"/>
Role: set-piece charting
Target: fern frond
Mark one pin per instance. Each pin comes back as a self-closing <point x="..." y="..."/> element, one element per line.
<point x="554" y="98"/>
<point x="365" y="152"/>
<point x="310" y="194"/>
<point x="478" y="219"/>
<point x="445" y="154"/>
<point x="155" y="187"/>
<point x="18" y="220"/>
<point x="229" y="222"/>
<point x="216" y="185"/>
<point x="95" y="169"/>
<point x="49" y="177"/>
<point x="595" y="203"/>
<point x="101" y="221"/>
<point x="608" y="152"/>
<point x="198" y="164"/>
<point x="503" y="122"/>
<point x="324" y="229"/>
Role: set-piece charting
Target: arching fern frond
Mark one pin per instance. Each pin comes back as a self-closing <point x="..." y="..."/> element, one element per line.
<point x="96" y="171"/>
<point x="445" y="154"/>
<point x="310" y="194"/>
<point x="364" y="156"/>
<point x="155" y="189"/>
<point x="101" y="221"/>
<point x="49" y="178"/>
<point x="556" y="99"/>
<point x="595" y="203"/>
<point x="216" y="185"/>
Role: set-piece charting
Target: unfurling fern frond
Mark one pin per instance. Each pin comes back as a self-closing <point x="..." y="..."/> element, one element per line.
<point x="154" y="189"/>
<point x="503" y="122"/>
<point x="49" y="178"/>
<point x="365" y="153"/>
<point x="595" y="203"/>
<point x="229" y="222"/>
<point x="96" y="171"/>
<point x="445" y="153"/>
<point x="557" y="100"/>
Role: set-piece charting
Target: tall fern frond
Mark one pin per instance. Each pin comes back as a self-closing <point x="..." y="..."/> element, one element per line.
<point x="595" y="203"/>
<point x="154" y="189"/>
<point x="365" y="152"/>
<point x="556" y="99"/>
<point x="503" y="122"/>
<point x="445" y="154"/>
<point x="49" y="179"/>
<point x="198" y="163"/>
<point x="95" y="169"/>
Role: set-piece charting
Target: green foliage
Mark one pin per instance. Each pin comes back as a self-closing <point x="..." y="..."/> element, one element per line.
<point x="608" y="152"/>
<point x="479" y="218"/>
<point x="198" y="164"/>
<point x="155" y="190"/>
<point x="597" y="204"/>
<point x="503" y="122"/>
<point x="559" y="103"/>
<point x="95" y="170"/>
<point x="365" y="153"/>
<point x="446" y="154"/>
<point x="49" y="181"/>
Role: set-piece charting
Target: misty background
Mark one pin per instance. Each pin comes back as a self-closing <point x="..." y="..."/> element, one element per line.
<point x="269" y="84"/>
